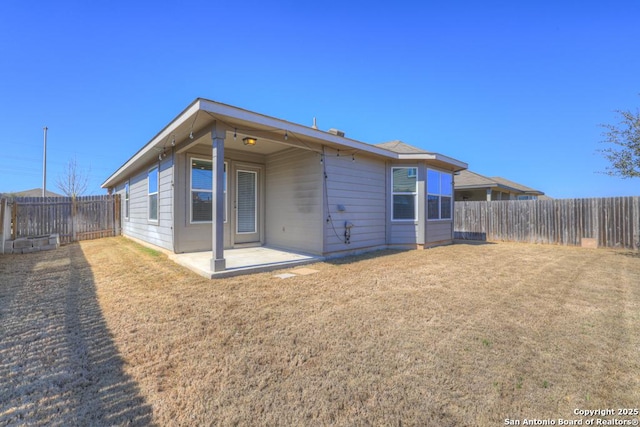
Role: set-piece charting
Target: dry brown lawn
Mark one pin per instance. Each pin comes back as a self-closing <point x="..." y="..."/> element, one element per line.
<point x="107" y="333"/>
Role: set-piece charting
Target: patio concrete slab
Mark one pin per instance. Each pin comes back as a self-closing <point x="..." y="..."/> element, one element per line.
<point x="243" y="261"/>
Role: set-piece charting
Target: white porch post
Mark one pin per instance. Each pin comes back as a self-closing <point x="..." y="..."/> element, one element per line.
<point x="217" y="216"/>
<point x="488" y="194"/>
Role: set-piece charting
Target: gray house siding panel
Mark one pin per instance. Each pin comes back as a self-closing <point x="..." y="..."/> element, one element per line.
<point x="138" y="225"/>
<point x="358" y="187"/>
<point x="189" y="237"/>
<point x="404" y="233"/>
<point x="294" y="201"/>
<point x="194" y="237"/>
<point x="439" y="231"/>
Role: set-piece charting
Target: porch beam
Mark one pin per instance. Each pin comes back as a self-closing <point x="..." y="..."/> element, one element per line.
<point x="190" y="143"/>
<point x="278" y="138"/>
<point x="218" y="133"/>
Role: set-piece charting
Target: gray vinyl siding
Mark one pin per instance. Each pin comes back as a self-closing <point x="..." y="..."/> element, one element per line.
<point x="407" y="232"/>
<point x="357" y="185"/>
<point x="189" y="237"/>
<point x="138" y="225"/>
<point x="195" y="237"/>
<point x="439" y="231"/>
<point x="294" y="218"/>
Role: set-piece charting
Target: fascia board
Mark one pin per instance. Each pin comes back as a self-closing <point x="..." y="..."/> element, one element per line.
<point x="230" y="112"/>
<point x="458" y="165"/>
<point x="157" y="140"/>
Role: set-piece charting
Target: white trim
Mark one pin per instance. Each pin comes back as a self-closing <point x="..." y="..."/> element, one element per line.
<point x="191" y="189"/>
<point x="414" y="194"/>
<point x="440" y="195"/>
<point x="256" y="207"/>
<point x="127" y="199"/>
<point x="157" y="193"/>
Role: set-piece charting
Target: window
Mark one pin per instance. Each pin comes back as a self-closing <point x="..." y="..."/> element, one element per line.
<point x="439" y="192"/>
<point x="404" y="193"/>
<point x="202" y="190"/>
<point x="152" y="179"/>
<point x="246" y="215"/>
<point x="126" y="199"/>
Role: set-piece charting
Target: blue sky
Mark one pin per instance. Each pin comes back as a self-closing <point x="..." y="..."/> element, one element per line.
<point x="515" y="89"/>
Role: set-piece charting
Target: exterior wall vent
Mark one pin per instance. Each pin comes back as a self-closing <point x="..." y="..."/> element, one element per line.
<point x="336" y="132"/>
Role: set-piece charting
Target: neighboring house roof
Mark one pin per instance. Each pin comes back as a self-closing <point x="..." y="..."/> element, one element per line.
<point x="468" y="180"/>
<point x="401" y="147"/>
<point x="195" y="121"/>
<point x="34" y="192"/>
<point x="519" y="187"/>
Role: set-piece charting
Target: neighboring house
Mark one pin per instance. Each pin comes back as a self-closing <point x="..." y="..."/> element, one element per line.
<point x="220" y="177"/>
<point x="35" y="192"/>
<point x="472" y="186"/>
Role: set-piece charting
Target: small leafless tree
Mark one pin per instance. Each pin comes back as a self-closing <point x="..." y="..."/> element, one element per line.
<point x="73" y="181"/>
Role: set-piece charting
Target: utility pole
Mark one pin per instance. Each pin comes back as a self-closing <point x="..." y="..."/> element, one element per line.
<point x="44" y="165"/>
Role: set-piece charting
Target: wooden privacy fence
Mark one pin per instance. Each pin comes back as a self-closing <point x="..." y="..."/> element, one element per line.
<point x="74" y="219"/>
<point x="606" y="222"/>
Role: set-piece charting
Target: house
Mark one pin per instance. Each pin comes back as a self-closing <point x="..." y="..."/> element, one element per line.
<point x="471" y="186"/>
<point x="34" y="192"/>
<point x="219" y="177"/>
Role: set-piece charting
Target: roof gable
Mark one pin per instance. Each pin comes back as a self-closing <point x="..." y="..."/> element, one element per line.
<point x="192" y="124"/>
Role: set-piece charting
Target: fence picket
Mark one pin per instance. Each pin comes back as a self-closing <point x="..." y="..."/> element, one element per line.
<point x="612" y="222"/>
<point x="74" y="219"/>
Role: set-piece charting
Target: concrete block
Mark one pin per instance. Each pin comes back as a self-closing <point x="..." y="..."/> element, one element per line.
<point x="22" y="244"/>
<point x="54" y="239"/>
<point x="29" y="250"/>
<point x="40" y="241"/>
<point x="8" y="247"/>
<point x="48" y="247"/>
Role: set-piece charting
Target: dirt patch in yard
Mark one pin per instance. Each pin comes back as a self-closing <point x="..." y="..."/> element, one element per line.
<point x="105" y="333"/>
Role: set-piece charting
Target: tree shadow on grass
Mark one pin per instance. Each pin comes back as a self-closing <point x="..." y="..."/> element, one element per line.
<point x="58" y="363"/>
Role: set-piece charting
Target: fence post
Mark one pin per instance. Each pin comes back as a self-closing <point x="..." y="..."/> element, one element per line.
<point x="3" y="203"/>
<point x="116" y="215"/>
<point x="74" y="218"/>
<point x="14" y="218"/>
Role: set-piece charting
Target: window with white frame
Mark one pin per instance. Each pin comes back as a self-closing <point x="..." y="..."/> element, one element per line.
<point x="153" y="181"/>
<point x="202" y="190"/>
<point x="439" y="194"/>
<point x="126" y="200"/>
<point x="404" y="193"/>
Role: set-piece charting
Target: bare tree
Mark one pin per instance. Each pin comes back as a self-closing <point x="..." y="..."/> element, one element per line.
<point x="73" y="181"/>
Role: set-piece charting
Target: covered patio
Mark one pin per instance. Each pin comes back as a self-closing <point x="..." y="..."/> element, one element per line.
<point x="243" y="261"/>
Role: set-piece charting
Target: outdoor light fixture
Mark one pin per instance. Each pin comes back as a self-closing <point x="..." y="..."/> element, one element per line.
<point x="249" y="140"/>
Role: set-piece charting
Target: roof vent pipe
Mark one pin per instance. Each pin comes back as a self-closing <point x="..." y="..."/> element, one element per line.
<point x="315" y="126"/>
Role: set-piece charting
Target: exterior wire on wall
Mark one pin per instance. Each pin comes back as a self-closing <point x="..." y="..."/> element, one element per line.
<point x="326" y="193"/>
